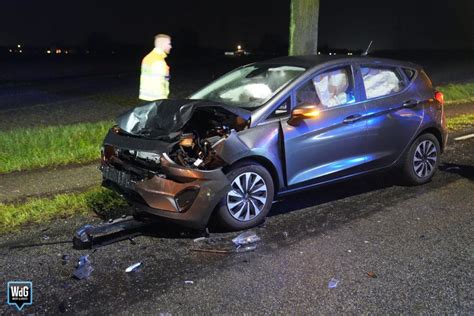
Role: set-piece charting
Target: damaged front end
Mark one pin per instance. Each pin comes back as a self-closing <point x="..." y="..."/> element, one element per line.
<point x="166" y="157"/>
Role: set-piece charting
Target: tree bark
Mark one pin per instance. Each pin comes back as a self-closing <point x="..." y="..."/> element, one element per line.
<point x="304" y="27"/>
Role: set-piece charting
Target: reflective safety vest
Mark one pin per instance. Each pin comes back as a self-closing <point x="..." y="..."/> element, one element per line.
<point x="154" y="78"/>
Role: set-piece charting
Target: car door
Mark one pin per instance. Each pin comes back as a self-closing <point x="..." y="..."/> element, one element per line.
<point x="333" y="143"/>
<point x="393" y="113"/>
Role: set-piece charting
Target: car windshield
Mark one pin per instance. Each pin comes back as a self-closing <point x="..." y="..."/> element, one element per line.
<point x="250" y="86"/>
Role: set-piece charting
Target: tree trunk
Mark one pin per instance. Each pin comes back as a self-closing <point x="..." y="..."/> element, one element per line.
<point x="304" y="27"/>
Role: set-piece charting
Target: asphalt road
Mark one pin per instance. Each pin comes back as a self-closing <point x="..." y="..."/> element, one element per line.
<point x="418" y="241"/>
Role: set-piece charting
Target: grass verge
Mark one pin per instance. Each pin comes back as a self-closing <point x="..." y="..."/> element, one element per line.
<point x="39" y="210"/>
<point x="460" y="122"/>
<point x="23" y="149"/>
<point x="457" y="93"/>
<point x="51" y="146"/>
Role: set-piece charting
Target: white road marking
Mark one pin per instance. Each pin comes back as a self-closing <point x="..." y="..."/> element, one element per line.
<point x="464" y="137"/>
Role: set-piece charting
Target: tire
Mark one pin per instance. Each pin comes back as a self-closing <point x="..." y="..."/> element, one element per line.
<point x="421" y="160"/>
<point x="240" y="209"/>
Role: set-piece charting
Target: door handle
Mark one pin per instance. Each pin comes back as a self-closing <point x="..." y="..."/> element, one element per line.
<point x="352" y="118"/>
<point x="410" y="103"/>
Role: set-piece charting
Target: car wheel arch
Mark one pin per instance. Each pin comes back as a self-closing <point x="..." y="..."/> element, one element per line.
<point x="435" y="132"/>
<point x="265" y="162"/>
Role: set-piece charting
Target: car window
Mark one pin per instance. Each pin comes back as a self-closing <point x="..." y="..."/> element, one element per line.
<point x="333" y="88"/>
<point x="307" y="94"/>
<point x="283" y="109"/>
<point x="381" y="81"/>
<point x="250" y="86"/>
<point x="410" y="73"/>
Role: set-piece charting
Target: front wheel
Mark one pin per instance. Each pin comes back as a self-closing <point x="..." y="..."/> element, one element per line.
<point x="421" y="160"/>
<point x="249" y="199"/>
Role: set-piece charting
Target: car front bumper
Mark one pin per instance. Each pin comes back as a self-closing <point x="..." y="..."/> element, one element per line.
<point x="183" y="195"/>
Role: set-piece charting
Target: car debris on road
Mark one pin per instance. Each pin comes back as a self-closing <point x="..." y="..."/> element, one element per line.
<point x="371" y="275"/>
<point x="333" y="283"/>
<point x="134" y="267"/>
<point x="84" y="268"/>
<point x="246" y="241"/>
<point x="248" y="237"/>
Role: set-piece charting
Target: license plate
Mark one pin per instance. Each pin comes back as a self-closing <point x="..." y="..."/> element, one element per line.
<point x="121" y="178"/>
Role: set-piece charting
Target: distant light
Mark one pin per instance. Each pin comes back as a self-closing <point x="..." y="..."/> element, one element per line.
<point x="350" y="54"/>
<point x="87" y="52"/>
<point x="19" y="46"/>
<point x="239" y="47"/>
<point x="11" y="50"/>
<point x="113" y="52"/>
<point x="319" y="53"/>
<point x="334" y="54"/>
<point x="330" y="54"/>
<point x="20" y="51"/>
<point x="66" y="52"/>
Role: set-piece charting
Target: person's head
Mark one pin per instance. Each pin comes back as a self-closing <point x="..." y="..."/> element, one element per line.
<point x="163" y="42"/>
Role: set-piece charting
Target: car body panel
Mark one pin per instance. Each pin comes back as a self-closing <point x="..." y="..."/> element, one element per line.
<point x="325" y="145"/>
<point x="300" y="155"/>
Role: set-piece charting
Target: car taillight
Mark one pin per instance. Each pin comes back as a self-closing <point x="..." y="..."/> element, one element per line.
<point x="439" y="97"/>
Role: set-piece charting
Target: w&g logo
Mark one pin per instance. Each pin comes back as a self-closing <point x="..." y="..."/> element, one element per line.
<point x="19" y="293"/>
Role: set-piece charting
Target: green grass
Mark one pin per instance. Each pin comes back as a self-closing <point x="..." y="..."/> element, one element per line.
<point x="40" y="210"/>
<point x="23" y="149"/>
<point x="461" y="121"/>
<point x="457" y="93"/>
<point x="30" y="148"/>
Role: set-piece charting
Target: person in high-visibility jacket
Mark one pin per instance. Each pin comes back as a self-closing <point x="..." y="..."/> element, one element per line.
<point x="155" y="73"/>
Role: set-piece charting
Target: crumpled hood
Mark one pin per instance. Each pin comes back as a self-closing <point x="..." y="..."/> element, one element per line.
<point x="165" y="117"/>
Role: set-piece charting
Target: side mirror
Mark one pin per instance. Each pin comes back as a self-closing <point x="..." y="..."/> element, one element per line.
<point x="304" y="111"/>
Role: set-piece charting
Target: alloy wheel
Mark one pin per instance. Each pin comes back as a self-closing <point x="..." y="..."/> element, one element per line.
<point x="247" y="196"/>
<point x="424" y="160"/>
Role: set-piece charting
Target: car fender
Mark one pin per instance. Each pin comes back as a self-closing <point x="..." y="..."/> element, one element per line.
<point x="261" y="143"/>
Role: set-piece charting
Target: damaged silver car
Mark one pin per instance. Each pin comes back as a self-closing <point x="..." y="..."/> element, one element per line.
<point x="272" y="128"/>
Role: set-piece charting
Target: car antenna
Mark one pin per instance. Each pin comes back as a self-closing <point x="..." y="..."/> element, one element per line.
<point x="367" y="50"/>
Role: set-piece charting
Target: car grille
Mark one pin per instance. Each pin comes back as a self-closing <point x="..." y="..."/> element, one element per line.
<point x="123" y="179"/>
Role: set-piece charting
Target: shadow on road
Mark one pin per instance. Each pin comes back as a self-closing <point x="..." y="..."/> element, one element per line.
<point x="461" y="170"/>
<point x="333" y="192"/>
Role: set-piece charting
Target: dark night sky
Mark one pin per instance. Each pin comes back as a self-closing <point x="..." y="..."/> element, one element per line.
<point x="343" y="24"/>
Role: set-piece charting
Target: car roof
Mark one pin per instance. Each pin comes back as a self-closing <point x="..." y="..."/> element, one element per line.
<point x="309" y="61"/>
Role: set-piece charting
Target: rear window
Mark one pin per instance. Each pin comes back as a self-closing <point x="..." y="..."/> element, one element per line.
<point x="381" y="81"/>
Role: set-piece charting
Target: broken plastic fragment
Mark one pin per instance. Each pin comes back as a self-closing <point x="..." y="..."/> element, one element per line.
<point x="134" y="267"/>
<point x="84" y="268"/>
<point x="372" y="274"/>
<point x="82" y="233"/>
<point x="245" y="248"/>
<point x="65" y="259"/>
<point x="245" y="238"/>
<point x="333" y="283"/>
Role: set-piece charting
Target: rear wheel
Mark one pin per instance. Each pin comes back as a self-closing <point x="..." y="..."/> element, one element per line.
<point x="421" y="160"/>
<point x="249" y="199"/>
